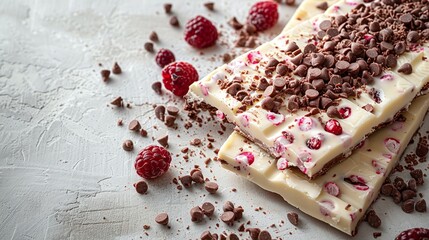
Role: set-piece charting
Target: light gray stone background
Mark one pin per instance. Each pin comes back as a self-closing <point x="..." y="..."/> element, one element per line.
<point x="63" y="173"/>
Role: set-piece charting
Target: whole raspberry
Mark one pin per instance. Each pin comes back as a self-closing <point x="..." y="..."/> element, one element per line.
<point x="263" y="15"/>
<point x="200" y="32"/>
<point x="152" y="162"/>
<point x="164" y="57"/>
<point x="178" y="76"/>
<point x="413" y="233"/>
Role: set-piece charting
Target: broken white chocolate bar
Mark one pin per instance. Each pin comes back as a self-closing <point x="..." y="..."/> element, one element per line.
<point x="342" y="196"/>
<point x="315" y="92"/>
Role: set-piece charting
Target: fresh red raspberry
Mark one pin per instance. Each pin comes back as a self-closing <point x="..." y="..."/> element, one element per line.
<point x="164" y="57"/>
<point x="200" y="32"/>
<point x="334" y="127"/>
<point x="413" y="233"/>
<point x="152" y="162"/>
<point x="178" y="76"/>
<point x="314" y="143"/>
<point x="263" y="15"/>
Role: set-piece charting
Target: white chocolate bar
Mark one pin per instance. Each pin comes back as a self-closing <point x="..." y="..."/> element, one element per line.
<point x="395" y="92"/>
<point x="347" y="201"/>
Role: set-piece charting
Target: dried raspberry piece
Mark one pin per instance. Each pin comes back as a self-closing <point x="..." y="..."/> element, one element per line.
<point x="245" y="157"/>
<point x="164" y="57"/>
<point x="152" y="162"/>
<point x="263" y="15"/>
<point x="345" y="112"/>
<point x="358" y="182"/>
<point x="314" y="143"/>
<point x="200" y="32"/>
<point x="178" y="76"/>
<point x="413" y="233"/>
<point x="332" y="188"/>
<point x="334" y="127"/>
<point x="305" y="123"/>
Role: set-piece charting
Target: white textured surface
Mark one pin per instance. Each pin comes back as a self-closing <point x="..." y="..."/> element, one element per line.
<point x="63" y="173"/>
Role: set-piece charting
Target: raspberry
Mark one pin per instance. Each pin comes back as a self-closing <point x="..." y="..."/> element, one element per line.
<point x="263" y="15"/>
<point x="164" y="57"/>
<point x="178" y="76"/>
<point x="413" y="233"/>
<point x="314" y="143"/>
<point x="334" y="127"/>
<point x="200" y="32"/>
<point x="358" y="182"/>
<point x="332" y="188"/>
<point x="152" y="162"/>
<point x="345" y="112"/>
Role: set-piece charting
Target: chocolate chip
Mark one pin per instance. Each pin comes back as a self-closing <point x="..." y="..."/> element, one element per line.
<point x="117" y="102"/>
<point x="400" y="48"/>
<point x="227" y="217"/>
<point x="406" y="69"/>
<point x="228" y="206"/>
<point x="206" y="235"/>
<point x="387" y="189"/>
<point x="197" y="214"/>
<point x="209" y="5"/>
<point x="163" y="140"/>
<point x="354" y="69"/>
<point x="293" y="103"/>
<point x="250" y="28"/>
<point x="329" y="46"/>
<point x="332" y="32"/>
<point x="116" y="69"/>
<point x="371" y="53"/>
<point x="332" y="112"/>
<point x="342" y="65"/>
<point x="396" y="195"/>
<point x="211" y="187"/>
<point x="264" y="235"/>
<point x="172" y="110"/>
<point x="157" y="87"/>
<point x="281" y="69"/>
<point x="322" y="6"/>
<point x="153" y="36"/>
<point x="226" y="58"/>
<point x="386" y="46"/>
<point x="391" y="61"/>
<point x="105" y="74"/>
<point x="290" y="2"/>
<point x="208" y="209"/>
<point x="143" y="133"/>
<point x="233" y="236"/>
<point x="422" y="149"/>
<point x="373" y="220"/>
<point x="408" y="194"/>
<point x="385" y="34"/>
<point x="160" y="112"/>
<point x="301" y="71"/>
<point x="297" y="59"/>
<point x="408" y="206"/>
<point x="174" y="21"/>
<point x="400" y="184"/>
<point x="134" y="125"/>
<point x="251" y="42"/>
<point x="293" y="218"/>
<point x="292" y="47"/>
<point x="162" y="219"/>
<point x="412" y="184"/>
<point x="421" y="205"/>
<point x="269" y="91"/>
<point x="318" y="84"/>
<point x="234" y="23"/>
<point x="325" y="102"/>
<point x="413" y="37"/>
<point x="272" y="63"/>
<point x="253" y="232"/>
<point x="267" y="103"/>
<point x="406" y="18"/>
<point x="375" y="69"/>
<point x="128" y="145"/>
<point x="279" y="83"/>
<point x="195" y="142"/>
<point x="197" y="176"/>
<point x="418" y="175"/>
<point x="167" y="7"/>
<point x="317" y="59"/>
<point x="233" y="89"/>
<point x="186" y="181"/>
<point x="141" y="187"/>
<point x="263" y="84"/>
<point x="309" y="48"/>
<point x="325" y="25"/>
<point x="374" y="26"/>
<point x="311" y="94"/>
<point x="367" y="78"/>
<point x="148" y="46"/>
<point x="340" y="19"/>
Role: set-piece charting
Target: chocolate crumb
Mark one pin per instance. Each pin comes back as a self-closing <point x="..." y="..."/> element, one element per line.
<point x="148" y="46"/>
<point x="105" y="74"/>
<point x="128" y="145"/>
<point x="143" y="133"/>
<point x="162" y="219"/>
<point x="195" y="142"/>
<point x="209" y="6"/>
<point x="234" y="23"/>
<point x="146" y="227"/>
<point x="117" y="102"/>
<point x="134" y="125"/>
<point x="141" y="187"/>
<point x="376" y="234"/>
<point x="157" y="87"/>
<point x="293" y="218"/>
<point x="226" y="58"/>
<point x="163" y="140"/>
<point x="174" y="21"/>
<point x="116" y="69"/>
<point x="290" y="2"/>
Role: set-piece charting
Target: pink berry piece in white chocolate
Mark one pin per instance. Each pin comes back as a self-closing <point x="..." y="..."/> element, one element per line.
<point x="314" y="143"/>
<point x="305" y="123"/>
<point x="220" y="115"/>
<point x="275" y="118"/>
<point x="282" y="164"/>
<point x="397" y="126"/>
<point x="345" y="112"/>
<point x="254" y="57"/>
<point x="378" y="169"/>
<point x="305" y="156"/>
<point x="245" y="157"/>
<point x="387" y="77"/>
<point x="332" y="188"/>
<point x="358" y="182"/>
<point x="392" y="145"/>
<point x="281" y="143"/>
<point x="326" y="207"/>
<point x="334" y="127"/>
<point x="244" y="120"/>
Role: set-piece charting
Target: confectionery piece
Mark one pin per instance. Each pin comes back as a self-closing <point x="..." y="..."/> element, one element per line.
<point x="278" y="95"/>
<point x="341" y="196"/>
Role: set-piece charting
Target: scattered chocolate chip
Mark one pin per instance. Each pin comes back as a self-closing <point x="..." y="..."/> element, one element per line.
<point x="162" y="219"/>
<point x="146" y="227"/>
<point x="281" y="69"/>
<point x="292" y="47"/>
<point x="226" y="58"/>
<point x="421" y="205"/>
<point x="134" y="125"/>
<point x="309" y="48"/>
<point x="157" y="87"/>
<point x="374" y="26"/>
<point x="233" y="89"/>
<point x="422" y="149"/>
<point x="293" y="218"/>
<point x="143" y="133"/>
<point x="148" y="46"/>
<point x="209" y="6"/>
<point x="117" y="102"/>
<point x="254" y="233"/>
<point x="208" y="209"/>
<point x="105" y="74"/>
<point x="413" y="37"/>
<point x="197" y="176"/>
<point x="228" y="206"/>
<point x="211" y="187"/>
<point x="408" y="194"/>
<point x="387" y="189"/>
<point x="128" y="145"/>
<point x="391" y="61"/>
<point x="168" y="7"/>
<point x="233" y="236"/>
<point x="227" y="217"/>
<point x="301" y="70"/>
<point x="406" y="69"/>
<point x="141" y="187"/>
<point x="264" y="235"/>
<point x="290" y="2"/>
<point x="373" y="220"/>
<point x="412" y="184"/>
<point x="332" y="112"/>
<point x="234" y="23"/>
<point x="325" y="25"/>
<point x="197" y="214"/>
<point x="322" y="6"/>
<point x="418" y="175"/>
<point x="279" y="83"/>
<point x="160" y="112"/>
<point x="238" y="212"/>
<point x="408" y="206"/>
<point x="163" y="140"/>
<point x="206" y="235"/>
<point x="376" y="234"/>
<point x="153" y="36"/>
<point x="174" y="21"/>
<point x="311" y="94"/>
<point x="267" y="103"/>
<point x="186" y="181"/>
<point x="116" y="69"/>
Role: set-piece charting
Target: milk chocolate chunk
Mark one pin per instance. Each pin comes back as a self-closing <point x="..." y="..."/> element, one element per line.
<point x="373" y="219"/>
<point x="186" y="181"/>
<point x="141" y="187"/>
<point x="293" y="218"/>
<point x="227" y="217"/>
<point x="197" y="214"/>
<point x="206" y="235"/>
<point x="105" y="74"/>
<point x="116" y="69"/>
<point x="264" y="235"/>
<point x="408" y="206"/>
<point x="160" y="112"/>
<point x="134" y="125"/>
<point x="128" y="145"/>
<point x="162" y="219"/>
<point x="211" y="187"/>
<point x="413" y="37"/>
<point x="406" y="69"/>
<point x="421" y="205"/>
<point x="208" y="209"/>
<point x="148" y="46"/>
<point x="322" y="6"/>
